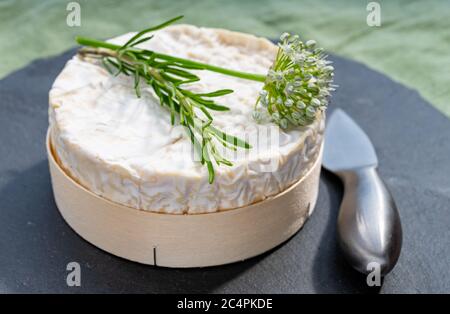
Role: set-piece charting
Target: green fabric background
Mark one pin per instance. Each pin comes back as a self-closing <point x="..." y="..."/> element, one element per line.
<point x="412" y="45"/>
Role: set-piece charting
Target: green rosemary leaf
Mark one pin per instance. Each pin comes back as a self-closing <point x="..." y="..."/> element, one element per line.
<point x="217" y="93"/>
<point x="211" y="173"/>
<point x="206" y="125"/>
<point x="181" y="73"/>
<point x="159" y="65"/>
<point x="107" y="64"/>
<point x="188" y="81"/>
<point x="230" y="138"/>
<point x="207" y="114"/>
<point x="182" y="117"/>
<point x="120" y="69"/>
<point x="225" y="143"/>
<point x="172" y="110"/>
<point x="126" y="69"/>
<point x="150" y="29"/>
<point x="219" y="159"/>
<point x="157" y="91"/>
<point x="141" y="40"/>
<point x="206" y="102"/>
<point x="195" y="144"/>
<point x="170" y="78"/>
<point x="137" y="80"/>
<point x="144" y="70"/>
<point x="226" y="162"/>
<point x="216" y="107"/>
<point x="173" y="106"/>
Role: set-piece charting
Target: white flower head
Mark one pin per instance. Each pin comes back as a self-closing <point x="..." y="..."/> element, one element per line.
<point x="289" y="102"/>
<point x="299" y="81"/>
<point x="324" y="92"/>
<point x="296" y="115"/>
<point x="264" y="101"/>
<point x="315" y="102"/>
<point x="294" y="40"/>
<point x="287" y="48"/>
<point x="289" y="71"/>
<point x="289" y="89"/>
<point x="310" y="43"/>
<point x="275" y="116"/>
<point x="301" y="105"/>
<point x="303" y="91"/>
<point x="284" y="36"/>
<point x="298" y="58"/>
<point x="328" y="68"/>
<point x="311" y="85"/>
<point x="257" y="115"/>
<point x="275" y="76"/>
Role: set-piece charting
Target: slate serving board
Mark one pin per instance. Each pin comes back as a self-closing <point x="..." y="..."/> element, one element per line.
<point x="413" y="144"/>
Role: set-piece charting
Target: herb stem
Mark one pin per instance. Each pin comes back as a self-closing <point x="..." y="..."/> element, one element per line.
<point x="201" y="66"/>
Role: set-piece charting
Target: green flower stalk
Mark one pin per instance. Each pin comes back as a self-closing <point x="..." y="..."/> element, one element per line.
<point x="295" y="89"/>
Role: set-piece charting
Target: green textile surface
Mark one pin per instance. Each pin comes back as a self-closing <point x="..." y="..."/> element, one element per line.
<point x="412" y="45"/>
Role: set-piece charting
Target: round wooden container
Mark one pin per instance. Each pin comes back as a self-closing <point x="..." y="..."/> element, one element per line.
<point x="184" y="240"/>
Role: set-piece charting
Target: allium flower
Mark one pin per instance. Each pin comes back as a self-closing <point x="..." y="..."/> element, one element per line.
<point x="289" y="102"/>
<point x="283" y="123"/>
<point x="298" y="84"/>
<point x="257" y="115"/>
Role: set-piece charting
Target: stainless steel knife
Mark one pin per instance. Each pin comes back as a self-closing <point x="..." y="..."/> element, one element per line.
<point x="369" y="228"/>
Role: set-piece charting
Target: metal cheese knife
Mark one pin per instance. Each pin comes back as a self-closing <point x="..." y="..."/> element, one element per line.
<point x="369" y="228"/>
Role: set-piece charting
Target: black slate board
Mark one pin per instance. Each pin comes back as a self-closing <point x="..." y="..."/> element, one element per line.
<point x="413" y="144"/>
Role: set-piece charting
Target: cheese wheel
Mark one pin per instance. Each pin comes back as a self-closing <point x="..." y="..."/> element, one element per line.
<point x="125" y="149"/>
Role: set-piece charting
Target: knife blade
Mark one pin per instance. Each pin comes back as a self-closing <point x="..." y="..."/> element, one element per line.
<point x="369" y="228"/>
<point x="346" y="145"/>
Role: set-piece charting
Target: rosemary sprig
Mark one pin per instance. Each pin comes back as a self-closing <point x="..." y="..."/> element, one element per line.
<point x="167" y="76"/>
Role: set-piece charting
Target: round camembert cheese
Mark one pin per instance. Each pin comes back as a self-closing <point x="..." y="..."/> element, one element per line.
<point x="125" y="149"/>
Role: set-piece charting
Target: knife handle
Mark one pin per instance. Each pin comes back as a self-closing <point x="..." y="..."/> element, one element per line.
<point x="369" y="228"/>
